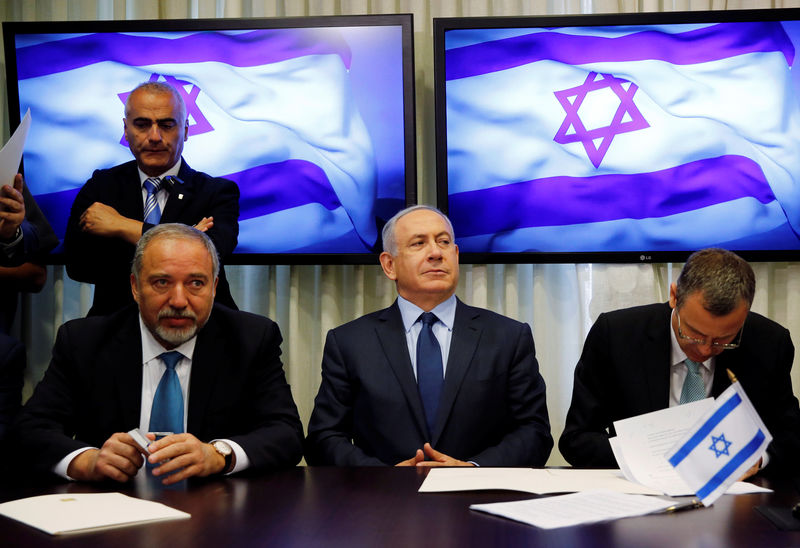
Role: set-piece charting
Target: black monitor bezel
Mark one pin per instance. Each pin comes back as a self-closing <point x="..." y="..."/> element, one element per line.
<point x="11" y="29"/>
<point x="443" y="24"/>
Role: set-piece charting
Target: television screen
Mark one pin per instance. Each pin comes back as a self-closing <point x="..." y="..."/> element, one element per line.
<point x="312" y="117"/>
<point x="623" y="138"/>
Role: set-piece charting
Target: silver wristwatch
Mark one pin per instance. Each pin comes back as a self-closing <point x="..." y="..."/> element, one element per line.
<point x="227" y="453"/>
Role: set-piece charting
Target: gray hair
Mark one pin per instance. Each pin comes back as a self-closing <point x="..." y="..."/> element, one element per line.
<point x="172" y="231"/>
<point x="722" y="277"/>
<point x="159" y="87"/>
<point x="387" y="234"/>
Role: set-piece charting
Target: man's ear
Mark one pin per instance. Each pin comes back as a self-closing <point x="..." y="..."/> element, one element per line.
<point x="387" y="263"/>
<point x="673" y="295"/>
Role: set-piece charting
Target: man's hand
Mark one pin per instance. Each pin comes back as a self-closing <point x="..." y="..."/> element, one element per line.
<point x="417" y="458"/>
<point x="103" y="220"/>
<point x="119" y="459"/>
<point x="12" y="209"/>
<point x="752" y="471"/>
<point x="204" y="224"/>
<point x="185" y="456"/>
<point x="440" y="459"/>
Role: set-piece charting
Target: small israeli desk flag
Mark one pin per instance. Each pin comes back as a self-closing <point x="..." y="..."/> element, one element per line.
<point x="722" y="446"/>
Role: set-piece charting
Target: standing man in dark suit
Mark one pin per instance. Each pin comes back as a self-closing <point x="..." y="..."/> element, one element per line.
<point x="108" y="215"/>
<point x="232" y="403"/>
<point x="634" y="361"/>
<point x="25" y="240"/>
<point x="459" y="387"/>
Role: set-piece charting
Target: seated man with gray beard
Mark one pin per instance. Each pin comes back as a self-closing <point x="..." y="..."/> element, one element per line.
<point x="208" y="375"/>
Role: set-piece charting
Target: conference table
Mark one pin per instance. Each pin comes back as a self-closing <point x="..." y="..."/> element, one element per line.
<point x="329" y="506"/>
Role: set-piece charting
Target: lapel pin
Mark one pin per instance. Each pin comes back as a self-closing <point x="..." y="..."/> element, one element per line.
<point x="180" y="196"/>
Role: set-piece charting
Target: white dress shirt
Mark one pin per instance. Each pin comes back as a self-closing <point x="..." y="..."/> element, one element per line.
<point x="442" y="330"/>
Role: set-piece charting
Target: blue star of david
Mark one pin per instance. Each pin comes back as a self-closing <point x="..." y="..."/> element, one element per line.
<point x="198" y="123"/>
<point x="715" y="443"/>
<point x="571" y="100"/>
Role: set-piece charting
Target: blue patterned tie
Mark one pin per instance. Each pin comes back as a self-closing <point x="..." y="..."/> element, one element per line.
<point x="694" y="388"/>
<point x="152" y="213"/>
<point x="167" y="412"/>
<point x="430" y="376"/>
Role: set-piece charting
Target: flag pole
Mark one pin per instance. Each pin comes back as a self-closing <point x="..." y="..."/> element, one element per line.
<point x="731" y="376"/>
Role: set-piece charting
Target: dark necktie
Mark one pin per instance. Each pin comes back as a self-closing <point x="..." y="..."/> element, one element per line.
<point x="430" y="376"/>
<point x="694" y="388"/>
<point x="167" y="412"/>
<point x="152" y="213"/>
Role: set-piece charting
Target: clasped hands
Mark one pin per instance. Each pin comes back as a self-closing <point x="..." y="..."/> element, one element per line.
<point x="179" y="456"/>
<point x="436" y="459"/>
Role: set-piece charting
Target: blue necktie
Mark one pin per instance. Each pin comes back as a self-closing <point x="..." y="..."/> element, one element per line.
<point x="430" y="376"/>
<point x="167" y="412"/>
<point x="694" y="388"/>
<point x="152" y="213"/>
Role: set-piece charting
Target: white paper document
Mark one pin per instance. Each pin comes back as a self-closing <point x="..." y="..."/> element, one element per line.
<point x="11" y="154"/>
<point x="643" y="441"/>
<point x="78" y="513"/>
<point x="576" y="508"/>
<point x="529" y="480"/>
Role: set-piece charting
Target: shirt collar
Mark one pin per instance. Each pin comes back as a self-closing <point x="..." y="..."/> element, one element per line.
<point x="152" y="349"/>
<point x="445" y="311"/>
<point x="171" y="171"/>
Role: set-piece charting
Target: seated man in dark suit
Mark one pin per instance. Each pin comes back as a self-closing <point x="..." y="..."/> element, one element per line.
<point x="428" y="381"/>
<point x="651" y="357"/>
<point x="117" y="205"/>
<point x="179" y="363"/>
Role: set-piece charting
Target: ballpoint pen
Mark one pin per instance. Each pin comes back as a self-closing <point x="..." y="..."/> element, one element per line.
<point x="679" y="507"/>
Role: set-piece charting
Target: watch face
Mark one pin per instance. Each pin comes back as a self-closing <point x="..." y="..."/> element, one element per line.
<point x="222" y="448"/>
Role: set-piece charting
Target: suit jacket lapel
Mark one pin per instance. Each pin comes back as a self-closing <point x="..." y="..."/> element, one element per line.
<point x="391" y="333"/>
<point x="467" y="330"/>
<point x="132" y="204"/>
<point x="125" y="353"/>
<point x="656" y="354"/>
<point x="180" y="196"/>
<point x="208" y="356"/>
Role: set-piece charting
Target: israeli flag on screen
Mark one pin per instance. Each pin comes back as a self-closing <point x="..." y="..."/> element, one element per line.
<point x="722" y="446"/>
<point x="659" y="137"/>
<point x="270" y="109"/>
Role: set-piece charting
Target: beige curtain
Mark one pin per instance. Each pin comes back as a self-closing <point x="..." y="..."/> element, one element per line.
<point x="559" y="301"/>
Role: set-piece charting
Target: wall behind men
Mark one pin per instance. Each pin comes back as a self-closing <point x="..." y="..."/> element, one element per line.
<point x="560" y="302"/>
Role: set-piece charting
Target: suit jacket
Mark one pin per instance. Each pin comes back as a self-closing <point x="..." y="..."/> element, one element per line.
<point x="624" y="371"/>
<point x="38" y="239"/>
<point x="106" y="262"/>
<point x="93" y="388"/>
<point x="12" y="370"/>
<point x="368" y="410"/>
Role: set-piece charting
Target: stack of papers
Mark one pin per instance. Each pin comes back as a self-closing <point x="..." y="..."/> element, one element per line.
<point x="77" y="513"/>
<point x="576" y="509"/>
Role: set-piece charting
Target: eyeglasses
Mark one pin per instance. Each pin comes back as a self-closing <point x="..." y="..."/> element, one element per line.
<point x="713" y="344"/>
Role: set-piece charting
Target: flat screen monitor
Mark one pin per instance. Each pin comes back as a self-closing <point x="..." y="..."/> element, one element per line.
<point x="619" y="138"/>
<point x="312" y="117"/>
